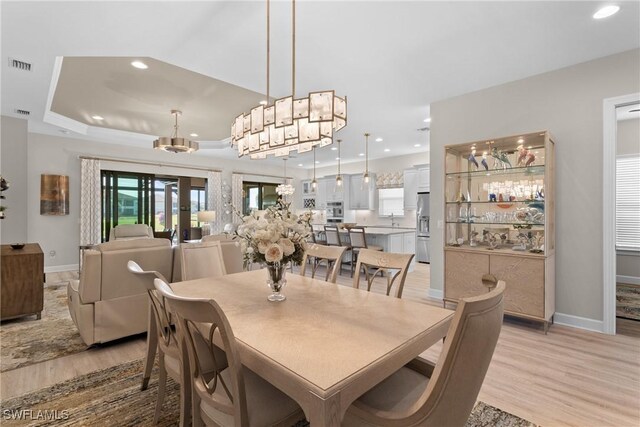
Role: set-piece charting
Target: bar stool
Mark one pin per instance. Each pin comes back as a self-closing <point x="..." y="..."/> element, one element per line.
<point x="333" y="237"/>
<point x="359" y="241"/>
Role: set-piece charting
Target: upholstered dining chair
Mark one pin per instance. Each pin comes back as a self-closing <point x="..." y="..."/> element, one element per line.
<point x="358" y="240"/>
<point x="382" y="262"/>
<point x="167" y="347"/>
<point x="200" y="260"/>
<point x="228" y="394"/>
<point x="423" y="394"/>
<point x="330" y="255"/>
<point x="333" y="237"/>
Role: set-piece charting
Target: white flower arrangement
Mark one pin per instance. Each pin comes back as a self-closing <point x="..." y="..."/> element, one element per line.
<point x="278" y="236"/>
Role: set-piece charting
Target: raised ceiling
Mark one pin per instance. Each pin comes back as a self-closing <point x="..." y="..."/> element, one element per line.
<point x="391" y="58"/>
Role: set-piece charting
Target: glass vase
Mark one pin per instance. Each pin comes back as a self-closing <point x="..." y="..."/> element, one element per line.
<point x="276" y="280"/>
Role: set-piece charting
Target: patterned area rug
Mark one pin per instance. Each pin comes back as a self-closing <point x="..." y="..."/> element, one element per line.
<point x="113" y="397"/>
<point x="26" y="341"/>
<point x="628" y="301"/>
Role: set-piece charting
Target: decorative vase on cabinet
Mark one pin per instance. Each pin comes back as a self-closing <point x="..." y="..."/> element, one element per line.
<point x="500" y="222"/>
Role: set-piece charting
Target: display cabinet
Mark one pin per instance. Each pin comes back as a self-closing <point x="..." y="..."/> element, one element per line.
<point x="499" y="222"/>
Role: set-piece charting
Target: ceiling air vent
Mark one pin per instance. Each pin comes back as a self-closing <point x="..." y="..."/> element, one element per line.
<point x="20" y="65"/>
<point x="23" y="112"/>
<point x="424" y="129"/>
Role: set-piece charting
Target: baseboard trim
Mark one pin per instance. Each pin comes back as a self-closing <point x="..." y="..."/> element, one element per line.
<point x="631" y="280"/>
<point x="435" y="294"/>
<point x="60" y="268"/>
<point x="579" y="322"/>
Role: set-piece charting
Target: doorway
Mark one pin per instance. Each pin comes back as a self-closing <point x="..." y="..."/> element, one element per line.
<point x="610" y="131"/>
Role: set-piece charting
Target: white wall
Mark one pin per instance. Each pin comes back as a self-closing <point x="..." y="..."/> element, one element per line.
<point x="567" y="102"/>
<point x="382" y="165"/>
<point x="59" y="155"/>
<point x="628" y="142"/>
<point x="13" y="167"/>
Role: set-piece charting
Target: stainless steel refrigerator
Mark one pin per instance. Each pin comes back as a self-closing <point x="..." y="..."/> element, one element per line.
<point x="422" y="228"/>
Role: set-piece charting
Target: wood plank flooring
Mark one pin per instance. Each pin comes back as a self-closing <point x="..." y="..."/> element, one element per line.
<point x="568" y="377"/>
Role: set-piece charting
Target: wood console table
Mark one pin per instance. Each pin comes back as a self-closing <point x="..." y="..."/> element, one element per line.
<point x="22" y="281"/>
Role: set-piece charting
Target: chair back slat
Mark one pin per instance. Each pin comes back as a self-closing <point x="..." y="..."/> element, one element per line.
<point x="383" y="262"/>
<point x="331" y="255"/>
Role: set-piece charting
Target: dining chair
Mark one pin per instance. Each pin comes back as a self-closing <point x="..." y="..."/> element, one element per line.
<point x="424" y="394"/>
<point x="333" y="237"/>
<point x="332" y="255"/>
<point x="167" y="347"/>
<point x="216" y="237"/>
<point x="382" y="262"/>
<point x="200" y="260"/>
<point x="358" y="240"/>
<point x="228" y="394"/>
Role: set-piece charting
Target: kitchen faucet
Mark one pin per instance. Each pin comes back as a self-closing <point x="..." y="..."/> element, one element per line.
<point x="393" y="224"/>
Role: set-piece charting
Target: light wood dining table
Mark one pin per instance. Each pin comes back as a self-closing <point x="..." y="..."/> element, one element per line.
<point x="326" y="344"/>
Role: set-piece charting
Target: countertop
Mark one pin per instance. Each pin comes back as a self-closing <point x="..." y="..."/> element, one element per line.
<point x="384" y="231"/>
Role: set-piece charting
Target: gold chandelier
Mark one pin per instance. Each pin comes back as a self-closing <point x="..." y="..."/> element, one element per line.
<point x="175" y="144"/>
<point x="290" y="124"/>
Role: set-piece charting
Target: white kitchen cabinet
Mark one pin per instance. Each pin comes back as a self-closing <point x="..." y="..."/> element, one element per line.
<point x="409" y="243"/>
<point x="395" y="243"/>
<point x="361" y="195"/>
<point x="423" y="179"/>
<point x="321" y="194"/>
<point x="410" y="189"/>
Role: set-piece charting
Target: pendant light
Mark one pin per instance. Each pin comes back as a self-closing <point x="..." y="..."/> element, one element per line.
<point x="365" y="176"/>
<point x="339" y="176"/>
<point x="314" y="183"/>
<point x="174" y="143"/>
<point x="285" y="189"/>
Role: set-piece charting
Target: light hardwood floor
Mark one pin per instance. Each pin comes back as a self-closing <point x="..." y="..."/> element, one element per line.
<point x="568" y="377"/>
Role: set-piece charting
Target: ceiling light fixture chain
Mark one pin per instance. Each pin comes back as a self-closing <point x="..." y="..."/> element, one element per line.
<point x="289" y="124"/>
<point x="314" y="183"/>
<point x="365" y="176"/>
<point x="339" y="176"/>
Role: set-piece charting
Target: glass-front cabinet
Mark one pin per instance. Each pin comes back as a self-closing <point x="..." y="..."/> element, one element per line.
<point x="499" y="200"/>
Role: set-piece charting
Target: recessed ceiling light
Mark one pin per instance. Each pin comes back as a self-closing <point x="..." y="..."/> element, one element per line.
<point x="386" y="150"/>
<point x="378" y="139"/>
<point x="520" y="140"/>
<point x="361" y="154"/>
<point x="606" y="11"/>
<point x="416" y="145"/>
<point x="96" y="117"/>
<point x="334" y="148"/>
<point x="317" y="161"/>
<point x="427" y="120"/>
<point x="193" y="134"/>
<point x="140" y="65"/>
<point x="337" y="158"/>
<point x="263" y="102"/>
<point x="300" y="164"/>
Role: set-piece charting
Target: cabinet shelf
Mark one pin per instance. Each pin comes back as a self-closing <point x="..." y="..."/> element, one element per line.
<point x="513" y="202"/>
<point x="540" y="224"/>
<point x="530" y="170"/>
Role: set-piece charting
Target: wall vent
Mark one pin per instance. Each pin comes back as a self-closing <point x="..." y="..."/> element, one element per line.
<point x="23" y="112"/>
<point x="20" y="65"/>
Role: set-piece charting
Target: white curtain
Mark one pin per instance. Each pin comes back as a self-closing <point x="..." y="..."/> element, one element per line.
<point x="236" y="195"/>
<point x="214" y="199"/>
<point x="90" y="211"/>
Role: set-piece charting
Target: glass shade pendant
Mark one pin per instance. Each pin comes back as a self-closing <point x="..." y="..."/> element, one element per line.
<point x="284" y="190"/>
<point x="339" y="176"/>
<point x="365" y="175"/>
<point x="175" y="144"/>
<point x="314" y="183"/>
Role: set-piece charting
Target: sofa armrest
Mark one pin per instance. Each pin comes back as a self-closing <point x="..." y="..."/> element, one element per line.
<point x="89" y="286"/>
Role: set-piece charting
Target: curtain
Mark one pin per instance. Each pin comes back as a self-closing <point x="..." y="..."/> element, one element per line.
<point x="214" y="199"/>
<point x="90" y="202"/>
<point x="236" y="195"/>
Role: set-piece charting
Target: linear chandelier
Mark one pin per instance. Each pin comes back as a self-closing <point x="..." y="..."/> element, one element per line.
<point x="175" y="144"/>
<point x="290" y="124"/>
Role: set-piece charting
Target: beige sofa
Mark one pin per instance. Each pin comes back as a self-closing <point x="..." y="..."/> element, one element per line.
<point x="130" y="232"/>
<point x="109" y="302"/>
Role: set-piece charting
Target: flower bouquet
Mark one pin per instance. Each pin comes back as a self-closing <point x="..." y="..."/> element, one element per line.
<point x="275" y="238"/>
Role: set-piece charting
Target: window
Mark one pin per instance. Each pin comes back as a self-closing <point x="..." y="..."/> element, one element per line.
<point x="391" y="201"/>
<point x="258" y="196"/>
<point x="198" y="203"/>
<point x="628" y="202"/>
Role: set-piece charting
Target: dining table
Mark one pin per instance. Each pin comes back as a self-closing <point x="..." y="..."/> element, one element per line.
<point x="326" y="344"/>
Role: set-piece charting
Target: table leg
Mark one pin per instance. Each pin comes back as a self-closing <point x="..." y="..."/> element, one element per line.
<point x="152" y="345"/>
<point x="325" y="412"/>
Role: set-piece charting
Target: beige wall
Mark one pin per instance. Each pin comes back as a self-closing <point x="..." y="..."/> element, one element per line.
<point x="628" y="142"/>
<point x="13" y="167"/>
<point x="567" y="102"/>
